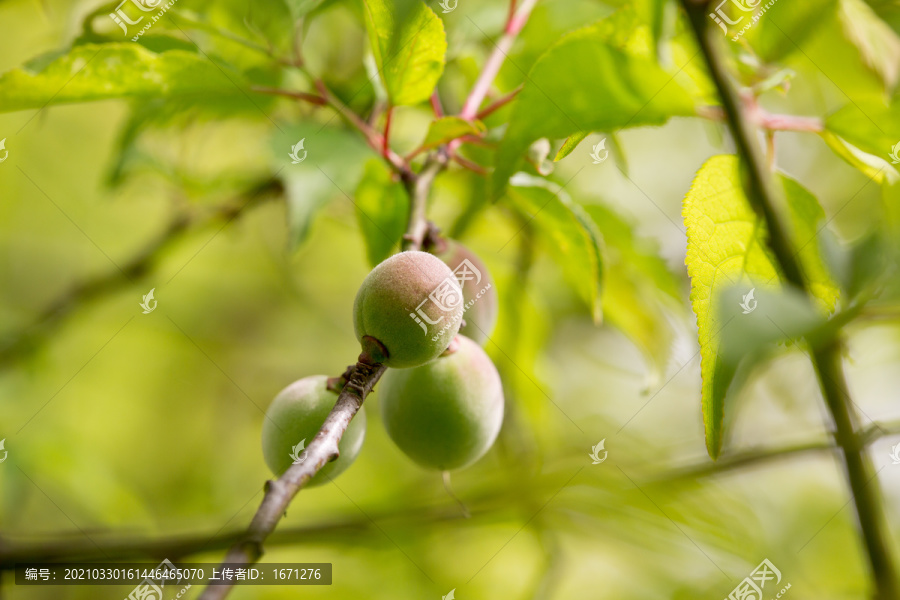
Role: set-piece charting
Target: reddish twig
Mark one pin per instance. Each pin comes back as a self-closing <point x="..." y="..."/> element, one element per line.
<point x="514" y="24"/>
<point x="385" y="147"/>
<point x="498" y="103"/>
<point x="311" y="98"/>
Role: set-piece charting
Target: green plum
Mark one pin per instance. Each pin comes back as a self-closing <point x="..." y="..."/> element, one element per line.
<point x="480" y="303"/>
<point x="411" y="305"/>
<point x="445" y="414"/>
<point x="295" y="416"/>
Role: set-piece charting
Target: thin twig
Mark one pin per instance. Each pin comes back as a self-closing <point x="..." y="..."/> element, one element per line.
<point x="498" y="103"/>
<point x="514" y="24"/>
<point x="766" y="120"/>
<point x="760" y="456"/>
<point x="322" y="449"/>
<point x="445" y="477"/>
<point x="436" y="105"/>
<point x="311" y="98"/>
<point x="136" y="267"/>
<point x="373" y="138"/>
<point x="69" y="548"/>
<point x="385" y="143"/>
<point x="418" y="189"/>
<point x="468" y="164"/>
<point x="826" y="351"/>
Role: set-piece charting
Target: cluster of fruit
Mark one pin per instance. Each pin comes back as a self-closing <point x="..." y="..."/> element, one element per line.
<point x="441" y="397"/>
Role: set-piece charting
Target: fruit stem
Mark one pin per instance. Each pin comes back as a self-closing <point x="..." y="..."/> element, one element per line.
<point x="418" y="188"/>
<point x="445" y="476"/>
<point x="373" y="351"/>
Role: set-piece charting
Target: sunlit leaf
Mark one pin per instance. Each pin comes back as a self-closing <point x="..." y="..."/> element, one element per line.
<point x="445" y="129"/>
<point x="872" y="127"/>
<point x="409" y="53"/>
<point x="570" y="144"/>
<point x="585" y="83"/>
<point x="126" y="70"/>
<point x="873" y="166"/>
<point x="727" y="247"/>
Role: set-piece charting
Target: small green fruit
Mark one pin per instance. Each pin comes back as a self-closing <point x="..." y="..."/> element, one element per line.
<point x="295" y="416"/>
<point x="447" y="413"/>
<point x="480" y="303"/>
<point x="412" y="305"/>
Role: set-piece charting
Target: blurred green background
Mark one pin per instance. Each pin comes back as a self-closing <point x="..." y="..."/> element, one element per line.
<point x="122" y="425"/>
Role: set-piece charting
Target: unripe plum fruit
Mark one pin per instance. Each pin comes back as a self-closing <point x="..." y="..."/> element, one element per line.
<point x="480" y="303"/>
<point x="445" y="414"/>
<point x="412" y="305"/>
<point x="297" y="414"/>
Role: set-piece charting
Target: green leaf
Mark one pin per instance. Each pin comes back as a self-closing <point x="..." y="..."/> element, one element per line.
<point x="782" y="29"/>
<point x="382" y="210"/>
<point x="445" y="129"/>
<point x="872" y="127"/>
<point x="409" y="52"/>
<point x="585" y="83"/>
<point x="756" y="321"/>
<point x="874" y="167"/>
<point x="331" y="170"/>
<point x="727" y="247"/>
<point x="570" y="144"/>
<point x="102" y="71"/>
<point x="879" y="46"/>
<point x="300" y="8"/>
<point x="637" y="287"/>
<point x="571" y="235"/>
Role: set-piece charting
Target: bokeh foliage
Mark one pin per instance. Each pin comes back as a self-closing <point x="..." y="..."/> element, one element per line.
<point x="166" y="154"/>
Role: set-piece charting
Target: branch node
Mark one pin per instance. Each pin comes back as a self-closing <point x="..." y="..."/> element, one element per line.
<point x="373" y="353"/>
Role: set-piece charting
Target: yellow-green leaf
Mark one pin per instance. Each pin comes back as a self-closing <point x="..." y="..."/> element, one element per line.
<point x="727" y="247"/>
<point x="587" y="83"/>
<point x="570" y="144"/>
<point x="637" y="288"/>
<point x="572" y="237"/>
<point x="103" y="71"/>
<point x="409" y="47"/>
<point x="445" y="129"/>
